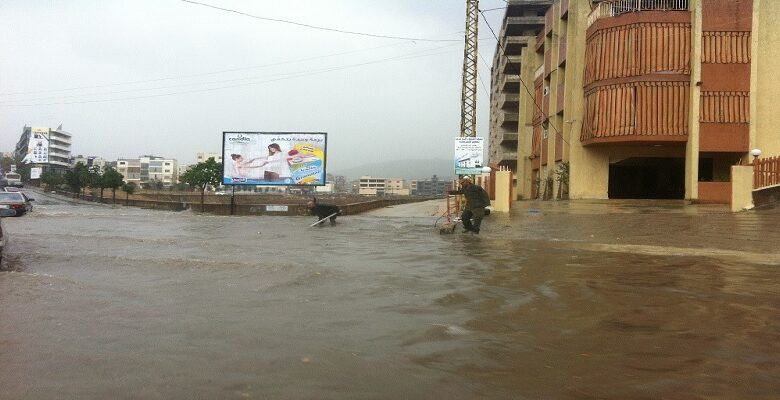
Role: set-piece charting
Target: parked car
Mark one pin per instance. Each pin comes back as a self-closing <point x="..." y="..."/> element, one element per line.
<point x="16" y="201"/>
<point x="4" y="212"/>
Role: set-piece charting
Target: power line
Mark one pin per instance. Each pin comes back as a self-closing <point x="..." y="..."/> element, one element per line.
<point x="285" y="77"/>
<point x="188" y="84"/>
<point x="284" y="21"/>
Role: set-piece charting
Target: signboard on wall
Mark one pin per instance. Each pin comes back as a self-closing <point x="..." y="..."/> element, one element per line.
<point x="274" y="158"/>
<point x="468" y="155"/>
<point x="35" y="172"/>
<point x="37" y="147"/>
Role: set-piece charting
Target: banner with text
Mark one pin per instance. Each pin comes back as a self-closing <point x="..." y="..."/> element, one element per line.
<point x="468" y="155"/>
<point x="274" y="158"/>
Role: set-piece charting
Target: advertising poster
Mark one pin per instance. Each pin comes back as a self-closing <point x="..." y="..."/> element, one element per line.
<point x="38" y="146"/>
<point x="274" y="158"/>
<point x="468" y="155"/>
<point x="35" y="172"/>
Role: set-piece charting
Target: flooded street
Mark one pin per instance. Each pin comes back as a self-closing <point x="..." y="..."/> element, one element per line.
<point x="583" y="300"/>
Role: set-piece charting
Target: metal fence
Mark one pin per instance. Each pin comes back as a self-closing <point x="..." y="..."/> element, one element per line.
<point x="614" y="8"/>
<point x="766" y="172"/>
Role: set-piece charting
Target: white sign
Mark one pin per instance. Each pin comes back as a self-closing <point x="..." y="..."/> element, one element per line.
<point x="468" y="155"/>
<point x="37" y="147"/>
<point x="35" y="172"/>
<point x="276" y="208"/>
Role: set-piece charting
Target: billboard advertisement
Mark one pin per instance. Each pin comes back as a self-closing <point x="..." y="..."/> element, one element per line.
<point x="468" y="155"/>
<point x="38" y="147"/>
<point x="35" y="172"/>
<point x="274" y="158"/>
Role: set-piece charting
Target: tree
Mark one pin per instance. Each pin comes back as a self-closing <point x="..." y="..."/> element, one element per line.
<point x="52" y="179"/>
<point x="96" y="179"/>
<point x="111" y="179"/>
<point x="202" y="175"/>
<point x="78" y="177"/>
<point x="128" y="188"/>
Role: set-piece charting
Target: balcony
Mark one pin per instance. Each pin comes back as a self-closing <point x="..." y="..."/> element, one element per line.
<point x="509" y="101"/>
<point x="613" y="8"/>
<point x="507" y="118"/>
<point x="516" y="26"/>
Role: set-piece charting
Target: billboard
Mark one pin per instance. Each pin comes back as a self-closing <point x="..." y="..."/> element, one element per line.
<point x="37" y="147"/>
<point x="274" y="158"/>
<point x="468" y="155"/>
<point x="35" y="172"/>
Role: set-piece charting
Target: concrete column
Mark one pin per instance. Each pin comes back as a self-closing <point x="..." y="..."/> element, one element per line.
<point x="741" y="187"/>
<point x="503" y="190"/>
<point x="692" y="149"/>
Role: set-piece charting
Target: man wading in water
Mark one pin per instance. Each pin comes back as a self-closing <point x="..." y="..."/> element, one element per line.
<point x="323" y="211"/>
<point x="476" y="201"/>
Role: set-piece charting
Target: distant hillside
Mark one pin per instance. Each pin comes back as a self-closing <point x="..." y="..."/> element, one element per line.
<point x="407" y="169"/>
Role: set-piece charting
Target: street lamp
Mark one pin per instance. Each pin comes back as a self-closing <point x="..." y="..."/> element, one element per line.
<point x="755" y="153"/>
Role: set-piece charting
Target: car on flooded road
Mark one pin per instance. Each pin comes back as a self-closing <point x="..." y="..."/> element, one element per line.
<point x="18" y="202"/>
<point x="4" y="212"/>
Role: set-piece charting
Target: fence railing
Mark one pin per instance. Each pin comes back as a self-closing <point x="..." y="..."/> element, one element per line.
<point x="614" y="8"/>
<point x="766" y="172"/>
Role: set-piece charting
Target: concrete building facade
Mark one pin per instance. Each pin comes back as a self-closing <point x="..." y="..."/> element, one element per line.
<point x="149" y="168"/>
<point x="646" y="98"/>
<point x="58" y="150"/>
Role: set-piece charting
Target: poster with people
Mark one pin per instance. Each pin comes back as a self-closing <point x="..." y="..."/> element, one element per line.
<point x="273" y="158"/>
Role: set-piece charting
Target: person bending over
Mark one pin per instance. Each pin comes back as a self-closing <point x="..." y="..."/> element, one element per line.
<point x="322" y="210"/>
<point x="476" y="201"/>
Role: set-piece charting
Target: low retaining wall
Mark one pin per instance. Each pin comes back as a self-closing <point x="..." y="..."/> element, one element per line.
<point x="220" y="205"/>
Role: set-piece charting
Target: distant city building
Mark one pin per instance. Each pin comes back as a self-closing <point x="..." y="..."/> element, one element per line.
<point x="89" y="161"/>
<point x="149" y="168"/>
<point x="431" y="187"/>
<point x="203" y="156"/>
<point x="372" y="186"/>
<point x="45" y="148"/>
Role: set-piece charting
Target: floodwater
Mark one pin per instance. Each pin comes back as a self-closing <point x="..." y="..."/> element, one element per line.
<point x="584" y="300"/>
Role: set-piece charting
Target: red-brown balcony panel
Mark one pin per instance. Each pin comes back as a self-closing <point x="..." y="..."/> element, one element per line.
<point x="545" y="147"/>
<point x="638" y="44"/>
<point x="725" y="77"/>
<point x="547" y="62"/>
<point x="564" y="9"/>
<point x="560" y="98"/>
<point x="549" y="20"/>
<point x="558" y="147"/>
<point x="546" y="103"/>
<point x="725" y="47"/>
<point x="538" y="100"/>
<point x="539" y="42"/>
<point x="714" y="192"/>
<point x="731" y="138"/>
<point x="536" y="141"/>
<point x="727" y="15"/>
<point x="637" y="113"/>
<point x="562" y="49"/>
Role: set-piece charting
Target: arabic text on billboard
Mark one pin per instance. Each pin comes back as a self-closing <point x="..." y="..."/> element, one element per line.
<point x="274" y="158"/>
<point x="38" y="146"/>
<point x="468" y="155"/>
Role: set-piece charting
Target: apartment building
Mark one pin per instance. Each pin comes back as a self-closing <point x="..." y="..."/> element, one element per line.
<point x="522" y="21"/>
<point x="44" y="147"/>
<point x="372" y="186"/>
<point x="645" y="98"/>
<point x="149" y="168"/>
<point x="203" y="156"/>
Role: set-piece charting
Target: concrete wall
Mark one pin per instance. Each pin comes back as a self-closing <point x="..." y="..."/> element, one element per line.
<point x="765" y="90"/>
<point x="741" y="187"/>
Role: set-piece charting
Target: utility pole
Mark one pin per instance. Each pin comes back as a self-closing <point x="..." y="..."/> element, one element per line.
<point x="468" y="114"/>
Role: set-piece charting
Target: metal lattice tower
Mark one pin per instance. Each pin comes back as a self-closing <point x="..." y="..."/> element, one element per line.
<point x="468" y="114"/>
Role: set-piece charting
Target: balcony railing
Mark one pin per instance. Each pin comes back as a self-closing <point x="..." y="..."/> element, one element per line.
<point x="613" y="8"/>
<point x="766" y="172"/>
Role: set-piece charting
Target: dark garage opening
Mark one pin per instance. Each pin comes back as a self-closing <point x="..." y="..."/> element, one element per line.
<point x="647" y="178"/>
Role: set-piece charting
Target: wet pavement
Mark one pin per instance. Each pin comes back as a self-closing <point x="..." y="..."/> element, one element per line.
<point x="560" y="300"/>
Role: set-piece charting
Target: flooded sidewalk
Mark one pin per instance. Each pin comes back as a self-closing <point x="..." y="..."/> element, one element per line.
<point x="569" y="300"/>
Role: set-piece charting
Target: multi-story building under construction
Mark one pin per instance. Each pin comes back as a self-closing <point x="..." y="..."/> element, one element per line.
<point x="643" y="98"/>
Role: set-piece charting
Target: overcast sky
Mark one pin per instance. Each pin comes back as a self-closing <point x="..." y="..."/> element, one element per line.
<point x="178" y="74"/>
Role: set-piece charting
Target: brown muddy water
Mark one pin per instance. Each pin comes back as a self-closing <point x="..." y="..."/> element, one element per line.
<point x="611" y="300"/>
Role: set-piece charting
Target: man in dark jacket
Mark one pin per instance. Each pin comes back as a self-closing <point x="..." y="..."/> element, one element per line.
<point x="476" y="201"/>
<point x="322" y="210"/>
